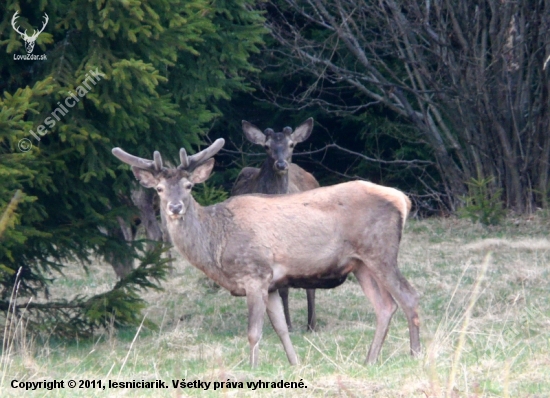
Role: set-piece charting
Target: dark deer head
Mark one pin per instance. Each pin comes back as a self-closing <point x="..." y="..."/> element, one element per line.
<point x="279" y="146"/>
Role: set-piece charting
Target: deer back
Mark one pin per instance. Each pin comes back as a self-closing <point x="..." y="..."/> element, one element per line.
<point x="311" y="234"/>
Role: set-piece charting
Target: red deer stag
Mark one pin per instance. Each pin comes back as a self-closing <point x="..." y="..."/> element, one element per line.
<point x="278" y="175"/>
<point x="253" y="245"/>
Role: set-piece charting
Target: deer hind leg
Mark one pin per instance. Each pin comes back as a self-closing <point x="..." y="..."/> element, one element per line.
<point x="277" y="318"/>
<point x="256" y="301"/>
<point x="384" y="307"/>
<point x="311" y="316"/>
<point x="283" y="292"/>
<point x="407" y="297"/>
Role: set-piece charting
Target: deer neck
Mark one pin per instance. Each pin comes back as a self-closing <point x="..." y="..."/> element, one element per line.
<point x="198" y="236"/>
<point x="271" y="182"/>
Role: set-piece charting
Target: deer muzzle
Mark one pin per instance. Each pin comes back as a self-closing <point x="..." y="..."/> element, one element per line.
<point x="281" y="166"/>
<point x="176" y="209"/>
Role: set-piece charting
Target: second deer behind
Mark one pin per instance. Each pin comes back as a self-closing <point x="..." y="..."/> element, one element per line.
<point x="278" y="175"/>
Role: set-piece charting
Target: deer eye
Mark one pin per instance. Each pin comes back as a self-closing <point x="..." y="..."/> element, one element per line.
<point x="266" y="147"/>
<point x="291" y="145"/>
<point x="188" y="185"/>
<point x="160" y="189"/>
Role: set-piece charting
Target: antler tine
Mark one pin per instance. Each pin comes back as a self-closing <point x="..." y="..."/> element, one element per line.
<point x="184" y="160"/>
<point x="157" y="160"/>
<point x="134" y="160"/>
<point x="287" y="130"/>
<point x="268" y="132"/>
<point x="199" y="158"/>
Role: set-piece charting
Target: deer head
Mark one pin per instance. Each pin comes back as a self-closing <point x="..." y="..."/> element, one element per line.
<point x="29" y="40"/>
<point x="279" y="146"/>
<point x="172" y="184"/>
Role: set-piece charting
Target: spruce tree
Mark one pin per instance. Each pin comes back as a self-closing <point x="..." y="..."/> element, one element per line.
<point x="144" y="76"/>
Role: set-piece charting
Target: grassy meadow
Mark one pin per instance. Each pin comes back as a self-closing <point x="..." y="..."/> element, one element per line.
<point x="485" y="329"/>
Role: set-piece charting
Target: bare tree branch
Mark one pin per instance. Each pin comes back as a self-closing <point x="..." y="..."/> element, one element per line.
<point x="467" y="77"/>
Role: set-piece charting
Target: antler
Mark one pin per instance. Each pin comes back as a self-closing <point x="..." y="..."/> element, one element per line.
<point x="35" y="34"/>
<point x="15" y="16"/>
<point x="140" y="163"/>
<point x="43" y="25"/>
<point x="188" y="163"/>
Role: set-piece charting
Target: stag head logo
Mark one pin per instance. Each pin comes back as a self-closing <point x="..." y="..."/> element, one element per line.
<point x="29" y="40"/>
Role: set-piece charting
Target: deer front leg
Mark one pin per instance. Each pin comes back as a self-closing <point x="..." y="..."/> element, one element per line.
<point x="277" y="318"/>
<point x="256" y="301"/>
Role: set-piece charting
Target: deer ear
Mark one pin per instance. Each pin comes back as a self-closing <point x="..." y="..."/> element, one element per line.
<point x="303" y="131"/>
<point x="201" y="173"/>
<point x="145" y="178"/>
<point x="253" y="133"/>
